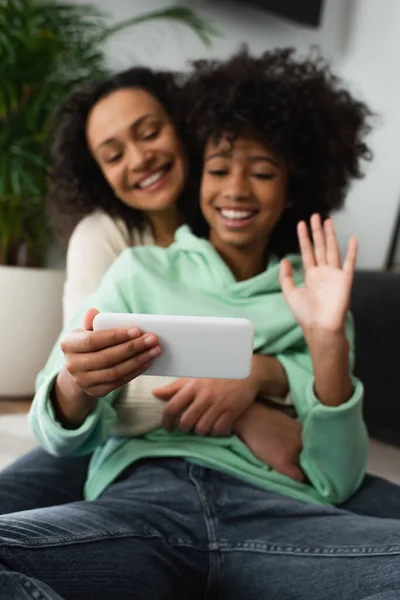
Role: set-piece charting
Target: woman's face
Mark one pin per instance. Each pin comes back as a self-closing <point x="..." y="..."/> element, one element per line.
<point x="243" y="193"/>
<point x="137" y="147"/>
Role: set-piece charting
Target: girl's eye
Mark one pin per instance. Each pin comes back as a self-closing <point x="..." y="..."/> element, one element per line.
<point x="217" y="172"/>
<point x="264" y="175"/>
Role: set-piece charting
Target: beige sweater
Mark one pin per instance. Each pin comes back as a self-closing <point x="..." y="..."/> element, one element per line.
<point x="94" y="245"/>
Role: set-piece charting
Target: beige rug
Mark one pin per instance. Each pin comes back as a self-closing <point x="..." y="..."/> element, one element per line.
<point x="16" y="439"/>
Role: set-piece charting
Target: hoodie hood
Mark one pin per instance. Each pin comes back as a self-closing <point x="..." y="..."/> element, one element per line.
<point x="217" y="275"/>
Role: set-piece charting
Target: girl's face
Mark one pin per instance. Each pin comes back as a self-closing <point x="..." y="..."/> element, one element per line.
<point x="243" y="193"/>
<point x="137" y="147"/>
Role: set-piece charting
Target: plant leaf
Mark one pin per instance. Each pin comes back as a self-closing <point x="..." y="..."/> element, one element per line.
<point x="46" y="49"/>
<point x="180" y="14"/>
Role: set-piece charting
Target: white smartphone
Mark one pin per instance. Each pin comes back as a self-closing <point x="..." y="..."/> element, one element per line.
<point x="210" y="347"/>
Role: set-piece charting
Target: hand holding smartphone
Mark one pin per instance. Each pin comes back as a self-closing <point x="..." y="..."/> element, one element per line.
<point x="206" y="347"/>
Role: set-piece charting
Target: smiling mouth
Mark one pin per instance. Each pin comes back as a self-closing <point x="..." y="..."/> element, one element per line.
<point x="154" y="178"/>
<point x="236" y="218"/>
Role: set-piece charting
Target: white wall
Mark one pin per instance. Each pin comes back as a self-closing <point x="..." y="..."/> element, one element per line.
<point x="361" y="37"/>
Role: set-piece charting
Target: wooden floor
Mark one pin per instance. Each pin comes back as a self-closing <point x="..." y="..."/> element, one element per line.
<point x="9" y="406"/>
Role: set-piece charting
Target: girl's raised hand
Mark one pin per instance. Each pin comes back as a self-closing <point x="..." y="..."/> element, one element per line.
<point x="324" y="300"/>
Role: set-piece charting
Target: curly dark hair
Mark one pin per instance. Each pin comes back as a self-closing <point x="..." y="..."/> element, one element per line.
<point x="297" y="108"/>
<point x="76" y="184"/>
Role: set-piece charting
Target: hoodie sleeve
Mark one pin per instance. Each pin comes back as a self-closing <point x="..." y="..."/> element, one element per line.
<point x="111" y="296"/>
<point x="335" y="439"/>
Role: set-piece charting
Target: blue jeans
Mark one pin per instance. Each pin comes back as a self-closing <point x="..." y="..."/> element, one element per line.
<point x="15" y="586"/>
<point x="38" y="479"/>
<point x="167" y="529"/>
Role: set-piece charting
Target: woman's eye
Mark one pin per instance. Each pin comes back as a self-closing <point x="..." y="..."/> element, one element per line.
<point x="113" y="159"/>
<point x="151" y="135"/>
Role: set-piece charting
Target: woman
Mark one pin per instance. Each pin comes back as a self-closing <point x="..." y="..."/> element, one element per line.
<point x="136" y="113"/>
<point x="213" y="520"/>
<point x="88" y="191"/>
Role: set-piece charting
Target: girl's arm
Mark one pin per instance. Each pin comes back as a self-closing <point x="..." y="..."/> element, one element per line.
<point x="270" y="376"/>
<point x="329" y="404"/>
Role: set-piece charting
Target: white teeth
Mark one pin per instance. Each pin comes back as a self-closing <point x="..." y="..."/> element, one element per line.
<point x="236" y="214"/>
<point x="151" y="179"/>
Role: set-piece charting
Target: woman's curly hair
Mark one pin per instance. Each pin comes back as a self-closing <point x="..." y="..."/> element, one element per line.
<point x="299" y="110"/>
<point x="77" y="186"/>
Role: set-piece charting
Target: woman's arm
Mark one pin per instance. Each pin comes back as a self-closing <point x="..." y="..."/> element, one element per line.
<point x="272" y="436"/>
<point x="95" y="244"/>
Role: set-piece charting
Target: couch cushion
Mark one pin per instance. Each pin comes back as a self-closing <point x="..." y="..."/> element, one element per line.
<point x="376" y="309"/>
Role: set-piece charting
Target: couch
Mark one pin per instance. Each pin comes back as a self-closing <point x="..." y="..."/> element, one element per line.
<point x="376" y="309"/>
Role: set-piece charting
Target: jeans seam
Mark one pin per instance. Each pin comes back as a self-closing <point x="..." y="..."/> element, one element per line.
<point x="348" y="552"/>
<point x="185" y="543"/>
<point x="213" y="545"/>
<point x="76" y="539"/>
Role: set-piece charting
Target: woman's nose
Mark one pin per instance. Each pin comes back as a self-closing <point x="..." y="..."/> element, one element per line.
<point x="138" y="157"/>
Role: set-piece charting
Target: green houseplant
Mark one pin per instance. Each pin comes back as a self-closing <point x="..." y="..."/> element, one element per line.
<point x="46" y="48"/>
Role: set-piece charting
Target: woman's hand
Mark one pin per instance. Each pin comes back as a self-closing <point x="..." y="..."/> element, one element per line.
<point x="211" y="406"/>
<point x="97" y="363"/>
<point x="206" y="406"/>
<point x="275" y="438"/>
<point x="322" y="304"/>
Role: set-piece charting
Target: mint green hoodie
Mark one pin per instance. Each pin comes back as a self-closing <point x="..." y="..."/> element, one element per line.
<point x="190" y="278"/>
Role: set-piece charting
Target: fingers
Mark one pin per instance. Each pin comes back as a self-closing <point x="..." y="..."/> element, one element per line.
<point x="88" y="318"/>
<point x="166" y="392"/>
<point x="97" y="387"/>
<point x="114" y="355"/>
<point x="207" y="423"/>
<point x="223" y="426"/>
<point x="318" y="240"/>
<point x="324" y="249"/>
<point x="349" y="263"/>
<point x="117" y="375"/>
<point x="286" y="277"/>
<point x="194" y="410"/>
<point x="135" y="352"/>
<point x="292" y="471"/>
<point x="193" y="417"/>
<point x="80" y="341"/>
<point x="178" y="404"/>
<point x="98" y="371"/>
<point x="306" y="248"/>
<point x="332" y="247"/>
